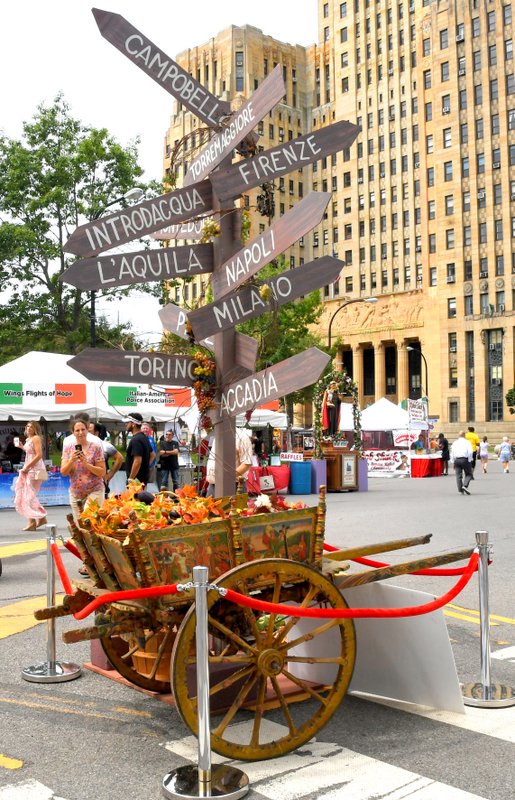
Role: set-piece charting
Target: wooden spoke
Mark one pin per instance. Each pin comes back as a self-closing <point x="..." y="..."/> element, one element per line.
<point x="230" y="635"/>
<point x="235" y="706"/>
<point x="271" y="621"/>
<point x="306" y="687"/>
<point x="311" y="634"/>
<point x="316" y="660"/>
<point x="312" y="591"/>
<point x="256" y="727"/>
<point x="284" y="705"/>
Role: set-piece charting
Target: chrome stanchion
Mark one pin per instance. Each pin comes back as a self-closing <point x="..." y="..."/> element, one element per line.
<point x="190" y="782"/>
<point x="484" y="693"/>
<point x="51" y="671"/>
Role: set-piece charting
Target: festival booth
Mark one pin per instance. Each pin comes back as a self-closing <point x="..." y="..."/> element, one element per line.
<point x="388" y="434"/>
<point x="260" y="419"/>
<point x="42" y="387"/>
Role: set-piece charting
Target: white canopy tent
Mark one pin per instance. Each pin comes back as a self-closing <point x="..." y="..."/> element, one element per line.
<point x="261" y="417"/>
<point x="383" y="415"/>
<point x="42" y="385"/>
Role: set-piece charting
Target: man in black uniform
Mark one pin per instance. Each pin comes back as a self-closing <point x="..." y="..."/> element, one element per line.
<point x="168" y="451"/>
<point x="137" y="459"/>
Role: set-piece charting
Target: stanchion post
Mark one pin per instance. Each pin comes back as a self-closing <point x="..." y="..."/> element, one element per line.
<point x="189" y="782"/>
<point x="484" y="693"/>
<point x="51" y="671"/>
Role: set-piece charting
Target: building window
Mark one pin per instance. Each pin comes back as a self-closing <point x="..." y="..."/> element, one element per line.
<point x="465" y="167"/>
<point x="447" y="171"/>
<point x="449" y="238"/>
<point x="449" y="204"/>
<point x="469" y="305"/>
<point x="431" y="209"/>
<point x="508" y="49"/>
<point x="444" y="71"/>
<point x="432" y="276"/>
<point x="426" y="47"/>
<point x="427" y="79"/>
<point x="343" y="35"/>
<point x="429" y="143"/>
<point x="447" y="137"/>
<point x="444" y="39"/>
<point x="462" y="99"/>
<point x="506" y="14"/>
<point x="453" y="411"/>
<point x="476" y="27"/>
<point x="451" y="307"/>
<point x="467" y="236"/>
<point x="494" y="89"/>
<point x="499" y="265"/>
<point x="478" y="94"/>
<point x="467" y="270"/>
<point x="480" y="163"/>
<point x="466" y="201"/>
<point x="476" y="60"/>
<point x="451" y="273"/>
<point x="479" y="129"/>
<point x="432" y="242"/>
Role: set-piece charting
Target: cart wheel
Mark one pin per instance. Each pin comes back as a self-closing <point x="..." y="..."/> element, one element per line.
<point x="261" y="665"/>
<point x="145" y="666"/>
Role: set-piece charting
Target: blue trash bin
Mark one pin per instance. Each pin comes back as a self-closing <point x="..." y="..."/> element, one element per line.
<point x="300" y="477"/>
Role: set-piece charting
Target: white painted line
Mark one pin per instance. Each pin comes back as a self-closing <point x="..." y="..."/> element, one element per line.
<point x="506" y="654"/>
<point x="496" y="722"/>
<point x="28" y="790"/>
<point x="329" y="772"/>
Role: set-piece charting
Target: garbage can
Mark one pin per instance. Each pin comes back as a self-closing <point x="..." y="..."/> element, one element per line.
<point x="300" y="477"/>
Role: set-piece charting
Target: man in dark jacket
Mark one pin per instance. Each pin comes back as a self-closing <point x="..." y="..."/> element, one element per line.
<point x="168" y="451"/>
<point x="137" y="459"/>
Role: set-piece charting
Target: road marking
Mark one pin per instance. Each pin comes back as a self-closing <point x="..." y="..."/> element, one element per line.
<point x="29" y="790"/>
<point x="22" y="548"/>
<point x="10" y="763"/>
<point x="327" y="771"/>
<point x="18" y="617"/>
<point x="464" y="617"/>
<point x="60" y="708"/>
<point x="496" y="617"/>
<point x="506" y="654"/>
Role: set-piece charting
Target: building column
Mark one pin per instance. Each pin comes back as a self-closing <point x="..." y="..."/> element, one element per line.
<point x="402" y="372"/>
<point x="357" y="369"/>
<point x="379" y="371"/>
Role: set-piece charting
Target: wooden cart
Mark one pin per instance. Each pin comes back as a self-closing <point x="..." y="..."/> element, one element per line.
<point x="259" y="663"/>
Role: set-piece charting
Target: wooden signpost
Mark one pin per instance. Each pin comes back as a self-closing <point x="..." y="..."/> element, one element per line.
<point x="281" y="160"/>
<point x="176" y="214"/>
<point x="249" y="302"/>
<point x="266" y="96"/>
<point x="122" y="365"/>
<point x="193" y="229"/>
<point x="282" y="234"/>
<point x="144" y="266"/>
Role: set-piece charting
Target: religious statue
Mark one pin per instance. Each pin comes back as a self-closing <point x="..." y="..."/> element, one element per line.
<point x="331" y="409"/>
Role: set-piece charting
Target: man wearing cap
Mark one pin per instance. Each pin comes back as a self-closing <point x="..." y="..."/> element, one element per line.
<point x="137" y="459"/>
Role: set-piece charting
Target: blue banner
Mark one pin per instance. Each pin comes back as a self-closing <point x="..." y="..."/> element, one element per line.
<point x="53" y="492"/>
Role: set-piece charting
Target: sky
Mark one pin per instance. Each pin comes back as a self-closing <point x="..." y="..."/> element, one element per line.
<point x="51" y="46"/>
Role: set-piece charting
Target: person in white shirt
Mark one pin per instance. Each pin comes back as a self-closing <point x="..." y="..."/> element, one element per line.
<point x="82" y="416"/>
<point x="461" y="457"/>
<point x="243" y="461"/>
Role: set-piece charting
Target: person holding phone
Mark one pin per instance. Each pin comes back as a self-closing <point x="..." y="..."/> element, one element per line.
<point x="84" y="462"/>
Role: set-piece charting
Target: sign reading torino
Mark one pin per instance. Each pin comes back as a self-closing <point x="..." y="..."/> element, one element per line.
<point x="249" y="302"/>
<point x="266" y="96"/>
<point x="160" y="67"/>
<point x="140" y="219"/>
<point x="121" y="365"/>
<point x="270" y="164"/>
<point x="141" y="267"/>
<point x="277" y="381"/>
<point x="283" y="233"/>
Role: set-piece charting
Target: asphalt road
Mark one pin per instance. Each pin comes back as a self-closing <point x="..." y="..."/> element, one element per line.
<point x="94" y="738"/>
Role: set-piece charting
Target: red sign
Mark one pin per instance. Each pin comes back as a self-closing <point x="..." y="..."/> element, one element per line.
<point x="142" y="218"/>
<point x="160" y="67"/>
<point x="70" y="393"/>
<point x="180" y="398"/>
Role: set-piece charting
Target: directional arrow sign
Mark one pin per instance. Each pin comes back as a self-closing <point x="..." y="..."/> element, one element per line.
<point x="274" y="382"/>
<point x="144" y="266"/>
<point x="266" y="96"/>
<point x="161" y="68"/>
<point x="248" y="302"/>
<point x="194" y="229"/>
<point x="121" y="365"/>
<point x="280" y="160"/>
<point x="174" y="319"/>
<point x="283" y="233"/>
<point x="131" y="223"/>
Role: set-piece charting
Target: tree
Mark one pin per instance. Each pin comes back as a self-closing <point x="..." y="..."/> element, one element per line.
<point x="59" y="175"/>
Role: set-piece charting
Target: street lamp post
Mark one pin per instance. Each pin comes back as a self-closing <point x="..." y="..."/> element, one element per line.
<point x="344" y="305"/>
<point x="422" y="356"/>
<point x="133" y="194"/>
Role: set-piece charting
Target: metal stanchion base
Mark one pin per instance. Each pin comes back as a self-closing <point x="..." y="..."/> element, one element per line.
<point x="183" y="783"/>
<point x="58" y="672"/>
<point x="494" y="696"/>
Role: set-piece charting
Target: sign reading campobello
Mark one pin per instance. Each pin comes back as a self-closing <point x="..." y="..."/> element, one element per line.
<point x="160" y="67"/>
<point x="121" y="365"/>
<point x="277" y="381"/>
<point x="283" y="233"/>
<point x="131" y="223"/>
<point x="141" y="267"/>
<point x="298" y="153"/>
<point x="242" y="122"/>
<point x="249" y="302"/>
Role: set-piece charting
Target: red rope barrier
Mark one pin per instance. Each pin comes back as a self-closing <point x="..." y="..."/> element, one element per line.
<point x="346" y="613"/>
<point x="71" y="547"/>
<point x="60" y="568"/>
<point x="368" y="562"/>
<point x="129" y="594"/>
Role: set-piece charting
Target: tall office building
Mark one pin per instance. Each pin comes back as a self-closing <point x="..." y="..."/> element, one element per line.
<point x="425" y="199"/>
<point x="423" y="207"/>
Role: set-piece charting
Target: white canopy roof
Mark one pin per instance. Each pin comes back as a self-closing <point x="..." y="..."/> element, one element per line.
<point x="261" y="417"/>
<point x="43" y="385"/>
<point x="384" y="415"/>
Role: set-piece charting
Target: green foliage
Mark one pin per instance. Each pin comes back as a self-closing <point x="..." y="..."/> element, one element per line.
<point x="58" y="175"/>
<point x="284" y="332"/>
<point x="510" y="399"/>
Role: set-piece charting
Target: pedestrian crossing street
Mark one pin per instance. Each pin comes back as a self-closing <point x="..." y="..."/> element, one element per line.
<point x="320" y="770"/>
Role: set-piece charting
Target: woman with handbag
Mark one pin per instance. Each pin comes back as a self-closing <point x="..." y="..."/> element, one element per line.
<point x="30" y="478"/>
<point x="84" y="462"/>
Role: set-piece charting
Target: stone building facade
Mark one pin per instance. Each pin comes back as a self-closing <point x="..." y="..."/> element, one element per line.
<point x="423" y="208"/>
